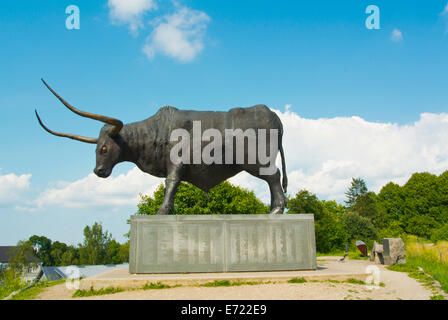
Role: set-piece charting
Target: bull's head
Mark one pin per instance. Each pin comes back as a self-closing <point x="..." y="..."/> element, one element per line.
<point x="109" y="143"/>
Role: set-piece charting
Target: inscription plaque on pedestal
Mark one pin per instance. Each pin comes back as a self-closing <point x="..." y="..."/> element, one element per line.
<point x="222" y="243"/>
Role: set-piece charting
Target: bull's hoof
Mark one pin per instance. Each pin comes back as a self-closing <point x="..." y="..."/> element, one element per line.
<point x="163" y="212"/>
<point x="276" y="211"/>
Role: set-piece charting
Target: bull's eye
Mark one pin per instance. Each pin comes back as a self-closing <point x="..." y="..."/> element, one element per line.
<point x="103" y="149"/>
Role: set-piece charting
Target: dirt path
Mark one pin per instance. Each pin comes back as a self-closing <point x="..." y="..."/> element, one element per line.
<point x="397" y="285"/>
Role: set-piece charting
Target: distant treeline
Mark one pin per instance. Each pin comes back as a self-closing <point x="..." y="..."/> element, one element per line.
<point x="420" y="207"/>
<point x="98" y="248"/>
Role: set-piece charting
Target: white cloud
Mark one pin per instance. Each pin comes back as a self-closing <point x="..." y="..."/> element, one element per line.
<point x="12" y="186"/>
<point x="130" y="11"/>
<point x="322" y="156"/>
<point x="92" y="191"/>
<point x="445" y="14"/>
<point x="397" y="35"/>
<point x="445" y="10"/>
<point x="179" y="35"/>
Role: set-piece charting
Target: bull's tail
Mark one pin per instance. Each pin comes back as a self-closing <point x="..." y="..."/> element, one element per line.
<point x="284" y="176"/>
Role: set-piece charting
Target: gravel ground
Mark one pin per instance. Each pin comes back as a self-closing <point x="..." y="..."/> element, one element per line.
<point x="396" y="285"/>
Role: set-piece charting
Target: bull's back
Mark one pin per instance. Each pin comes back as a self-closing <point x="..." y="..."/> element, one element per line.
<point x="256" y="117"/>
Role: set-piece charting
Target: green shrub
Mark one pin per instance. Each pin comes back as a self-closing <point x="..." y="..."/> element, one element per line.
<point x="359" y="228"/>
<point x="10" y="282"/>
<point x="224" y="198"/>
<point x="157" y="285"/>
<point x="355" y="281"/>
<point x="92" y="292"/>
<point x="330" y="233"/>
<point x="216" y="283"/>
<point x="297" y="280"/>
<point x="440" y="234"/>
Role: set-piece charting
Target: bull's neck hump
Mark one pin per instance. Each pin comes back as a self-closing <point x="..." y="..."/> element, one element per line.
<point x="136" y="137"/>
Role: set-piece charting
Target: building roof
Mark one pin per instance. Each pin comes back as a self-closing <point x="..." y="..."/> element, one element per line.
<point x="6" y="251"/>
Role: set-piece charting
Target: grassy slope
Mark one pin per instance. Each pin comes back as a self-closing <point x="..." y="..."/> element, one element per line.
<point x="432" y="258"/>
<point x="34" y="291"/>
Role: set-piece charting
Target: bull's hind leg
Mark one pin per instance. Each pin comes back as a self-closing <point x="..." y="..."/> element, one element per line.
<point x="278" y="200"/>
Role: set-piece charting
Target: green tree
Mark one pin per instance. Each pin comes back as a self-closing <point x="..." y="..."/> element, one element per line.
<point x="305" y="202"/>
<point x="421" y="194"/>
<point x="359" y="228"/>
<point x="70" y="256"/>
<point x="330" y="233"/>
<point x="440" y="234"/>
<point x="57" y="251"/>
<point x="336" y="210"/>
<point x="421" y="225"/>
<point x="390" y="204"/>
<point x="123" y="253"/>
<point x="93" y="250"/>
<point x="225" y="198"/>
<point x="23" y="257"/>
<point x="365" y="206"/>
<point x="357" y="188"/>
<point x="43" y="245"/>
<point x="113" y="253"/>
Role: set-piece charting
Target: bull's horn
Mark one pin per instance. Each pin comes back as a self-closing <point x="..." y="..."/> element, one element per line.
<point x="117" y="124"/>
<point x="66" y="135"/>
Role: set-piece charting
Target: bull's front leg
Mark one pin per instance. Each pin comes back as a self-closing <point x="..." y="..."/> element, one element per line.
<point x="171" y="183"/>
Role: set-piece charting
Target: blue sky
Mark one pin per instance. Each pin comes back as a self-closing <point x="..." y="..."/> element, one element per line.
<point x="309" y="60"/>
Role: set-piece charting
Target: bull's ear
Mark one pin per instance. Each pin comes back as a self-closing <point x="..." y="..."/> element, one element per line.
<point x="114" y="131"/>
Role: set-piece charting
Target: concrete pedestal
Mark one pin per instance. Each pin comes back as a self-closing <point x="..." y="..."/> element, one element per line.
<point x="222" y="243"/>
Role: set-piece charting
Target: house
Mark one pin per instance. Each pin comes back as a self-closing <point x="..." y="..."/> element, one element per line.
<point x="34" y="269"/>
<point x="5" y="252"/>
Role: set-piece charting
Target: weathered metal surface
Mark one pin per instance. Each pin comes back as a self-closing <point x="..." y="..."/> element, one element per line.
<point x="148" y="144"/>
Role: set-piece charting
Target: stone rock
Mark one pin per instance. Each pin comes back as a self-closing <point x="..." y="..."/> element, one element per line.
<point x="377" y="253"/>
<point x="394" y="251"/>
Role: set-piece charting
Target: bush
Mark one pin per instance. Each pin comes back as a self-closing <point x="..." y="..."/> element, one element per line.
<point x="393" y="230"/>
<point x="359" y="228"/>
<point x="225" y="198"/>
<point x="10" y="281"/>
<point x="330" y="233"/>
<point x="440" y="234"/>
<point x="421" y="225"/>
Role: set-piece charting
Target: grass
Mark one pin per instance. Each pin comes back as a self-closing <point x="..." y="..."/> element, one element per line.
<point x="10" y="282"/>
<point x="355" y="281"/>
<point x="435" y="252"/>
<point x="333" y="281"/>
<point x="357" y="256"/>
<point x="157" y="286"/>
<point x="353" y="255"/>
<point x="227" y="283"/>
<point x="4" y="292"/>
<point x="33" y="292"/>
<point x="297" y="280"/>
<point x="92" y="292"/>
<point x="432" y="258"/>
